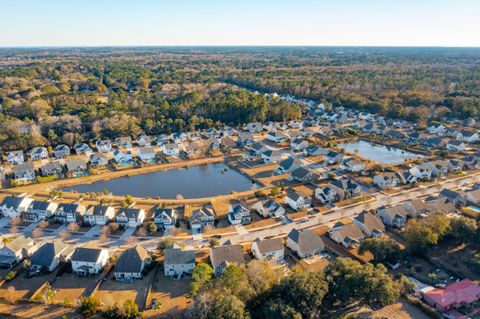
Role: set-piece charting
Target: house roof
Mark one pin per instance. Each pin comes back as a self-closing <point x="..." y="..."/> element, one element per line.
<point x="86" y="254"/>
<point x="132" y="259"/>
<point x="227" y="254"/>
<point x="129" y="212"/>
<point x="99" y="210"/>
<point x="307" y="240"/>
<point x="465" y="291"/>
<point x="19" y="243"/>
<point x="45" y="254"/>
<point x="370" y="221"/>
<point x="349" y="231"/>
<point x="177" y="256"/>
<point x="41" y="205"/>
<point x="269" y="245"/>
<point x="13" y="201"/>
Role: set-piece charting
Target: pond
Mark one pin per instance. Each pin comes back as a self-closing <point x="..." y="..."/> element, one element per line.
<point x="379" y="153"/>
<point x="194" y="182"/>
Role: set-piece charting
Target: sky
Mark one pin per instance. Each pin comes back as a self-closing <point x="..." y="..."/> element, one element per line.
<point x="239" y="22"/>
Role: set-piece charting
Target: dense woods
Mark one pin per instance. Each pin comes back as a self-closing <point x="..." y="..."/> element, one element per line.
<point x="71" y="95"/>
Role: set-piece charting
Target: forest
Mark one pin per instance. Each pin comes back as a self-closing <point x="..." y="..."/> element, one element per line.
<point x="71" y="95"/>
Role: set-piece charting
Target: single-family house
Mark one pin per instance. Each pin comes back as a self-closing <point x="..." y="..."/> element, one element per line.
<point x="15" y="251"/>
<point x="76" y="167"/>
<point x="288" y="165"/>
<point x="146" y="154"/>
<point x="460" y="294"/>
<point x="123" y="158"/>
<point x="202" y="218"/>
<point x="269" y="208"/>
<point x="333" y="157"/>
<point x="347" y="235"/>
<point x="104" y="146"/>
<point x="386" y="180"/>
<point x="353" y="165"/>
<point x="223" y="256"/>
<point x="178" y="262"/>
<point x="269" y="249"/>
<point x="272" y="156"/>
<point x="61" y="151"/>
<point x="51" y="169"/>
<point x="24" y="172"/>
<point x="98" y="160"/>
<point x="39" y="210"/>
<point x="239" y="213"/>
<point x="69" y="213"/>
<point x="124" y="142"/>
<point x="296" y="200"/>
<point x="370" y="224"/>
<point x="50" y="255"/>
<point x="345" y="188"/>
<point x="143" y="140"/>
<point x="130" y="217"/>
<point x="254" y="127"/>
<point x="38" y="153"/>
<point x="171" y="150"/>
<point x="14" y="206"/>
<point x="165" y="218"/>
<point x="83" y="149"/>
<point x="395" y="216"/>
<point x="15" y="157"/>
<point x="305" y="243"/>
<point x="99" y="214"/>
<point x="277" y="137"/>
<point x="457" y="198"/>
<point x="89" y="261"/>
<point x="131" y="264"/>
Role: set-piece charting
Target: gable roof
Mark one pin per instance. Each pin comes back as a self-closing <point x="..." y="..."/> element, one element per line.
<point x="227" y="254"/>
<point x="307" y="240"/>
<point x="46" y="253"/>
<point x="177" y="256"/>
<point x="269" y="245"/>
<point x="131" y="261"/>
<point x="86" y="254"/>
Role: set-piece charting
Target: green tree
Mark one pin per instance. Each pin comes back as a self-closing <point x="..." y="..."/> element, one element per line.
<point x="419" y="237"/>
<point x="384" y="250"/>
<point x="88" y="306"/>
<point x="202" y="274"/>
<point x="463" y="228"/>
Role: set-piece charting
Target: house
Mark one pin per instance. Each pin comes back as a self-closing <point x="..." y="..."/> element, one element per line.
<point x="239" y="213"/>
<point x="39" y="210"/>
<point x="89" y="261"/>
<point x="223" y="256"/>
<point x="76" y="167"/>
<point x="83" y="149"/>
<point x="386" y="180"/>
<point x="179" y="137"/>
<point x="415" y="207"/>
<point x="38" y="153"/>
<point x="296" y="201"/>
<point x="255" y="151"/>
<point x="50" y="255"/>
<point x="473" y="197"/>
<point x="146" y="154"/>
<point x="178" y="262"/>
<point x="130" y="217"/>
<point x="202" y="218"/>
<point x="470" y="136"/>
<point x="305" y="243"/>
<point x="333" y="157"/>
<point x="460" y="294"/>
<point x="353" y="165"/>
<point x="61" y="151"/>
<point x="394" y="134"/>
<point x="171" y="150"/>
<point x="124" y="142"/>
<point x="123" y="158"/>
<point x="277" y="137"/>
<point x="437" y="129"/>
<point x="245" y="139"/>
<point x="227" y="143"/>
<point x="15" y="251"/>
<point x="272" y="156"/>
<point x="69" y="213"/>
<point x="51" y="169"/>
<point x="455" y="146"/>
<point x="298" y="144"/>
<point x="131" y="264"/>
<point x="14" y="206"/>
<point x="288" y="165"/>
<point x="370" y="224"/>
<point x="295" y="124"/>
<point x="254" y="127"/>
<point x="268" y="249"/>
<point x="457" y="198"/>
<point x="2" y="174"/>
<point x="303" y="175"/>
<point x="347" y="235"/>
<point x="143" y="140"/>
<point x="24" y="172"/>
<point x="345" y="188"/>
<point x="165" y="218"/>
<point x="162" y="139"/>
<point x="395" y="216"/>
<point x="326" y="195"/>
<point x="315" y="150"/>
<point x="98" y="160"/>
<point x="99" y="215"/>
<point x="269" y="208"/>
<point x="15" y="157"/>
<point x="104" y="146"/>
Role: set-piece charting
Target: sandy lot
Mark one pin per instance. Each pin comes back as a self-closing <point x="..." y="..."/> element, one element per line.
<point x="71" y="286"/>
<point x="173" y="294"/>
<point x="25" y="287"/>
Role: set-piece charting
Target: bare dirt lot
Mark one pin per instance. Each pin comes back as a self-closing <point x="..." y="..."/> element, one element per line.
<point x="173" y="294"/>
<point x="25" y="287"/>
<point x="71" y="286"/>
<point x="112" y="291"/>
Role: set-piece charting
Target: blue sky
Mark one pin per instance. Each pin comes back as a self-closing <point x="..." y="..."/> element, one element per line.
<point x="239" y="22"/>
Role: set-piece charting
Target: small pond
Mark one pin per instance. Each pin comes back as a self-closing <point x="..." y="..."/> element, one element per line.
<point x="194" y="182"/>
<point x="379" y="153"/>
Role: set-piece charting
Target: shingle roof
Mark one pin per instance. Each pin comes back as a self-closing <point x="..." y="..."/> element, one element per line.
<point x="228" y="254"/>
<point x="86" y="254"/>
<point x="45" y="254"/>
<point x="307" y="240"/>
<point x="177" y="256"/>
<point x="268" y="245"/>
<point x="131" y="260"/>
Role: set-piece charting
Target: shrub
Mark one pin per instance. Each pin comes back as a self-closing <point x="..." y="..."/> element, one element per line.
<point x="10" y="276"/>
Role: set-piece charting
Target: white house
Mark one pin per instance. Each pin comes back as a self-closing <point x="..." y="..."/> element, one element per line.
<point x="15" y="157"/>
<point x="353" y="165"/>
<point x="165" y="217"/>
<point x="104" y="146"/>
<point x="269" y="249"/>
<point x="131" y="264"/>
<point x="395" y="216"/>
<point x="239" y="213"/>
<point x="69" y="213"/>
<point x="178" y="262"/>
<point x="348" y="235"/>
<point x="13" y="206"/>
<point x="39" y="210"/>
<point x="130" y="217"/>
<point x="171" y="150"/>
<point x="123" y="158"/>
<point x="89" y="261"/>
<point x="223" y="256"/>
<point x="268" y="208"/>
<point x="370" y="224"/>
<point x="16" y="250"/>
<point x="50" y="255"/>
<point x="146" y="154"/>
<point x="99" y="215"/>
<point x="305" y="243"/>
<point x="38" y="153"/>
<point x="202" y="218"/>
<point x="296" y="201"/>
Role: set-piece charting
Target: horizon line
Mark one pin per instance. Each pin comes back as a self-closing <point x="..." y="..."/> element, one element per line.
<point x="236" y="46"/>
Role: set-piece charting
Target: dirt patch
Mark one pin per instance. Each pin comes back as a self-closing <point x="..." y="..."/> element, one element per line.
<point x="26" y="287"/>
<point x="71" y="286"/>
<point x="173" y="294"/>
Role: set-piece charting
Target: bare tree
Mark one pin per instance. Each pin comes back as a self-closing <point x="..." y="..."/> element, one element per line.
<point x="73" y="227"/>
<point x="43" y="224"/>
<point x="37" y="232"/>
<point x="11" y="295"/>
<point x="64" y="235"/>
<point x="104" y="232"/>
